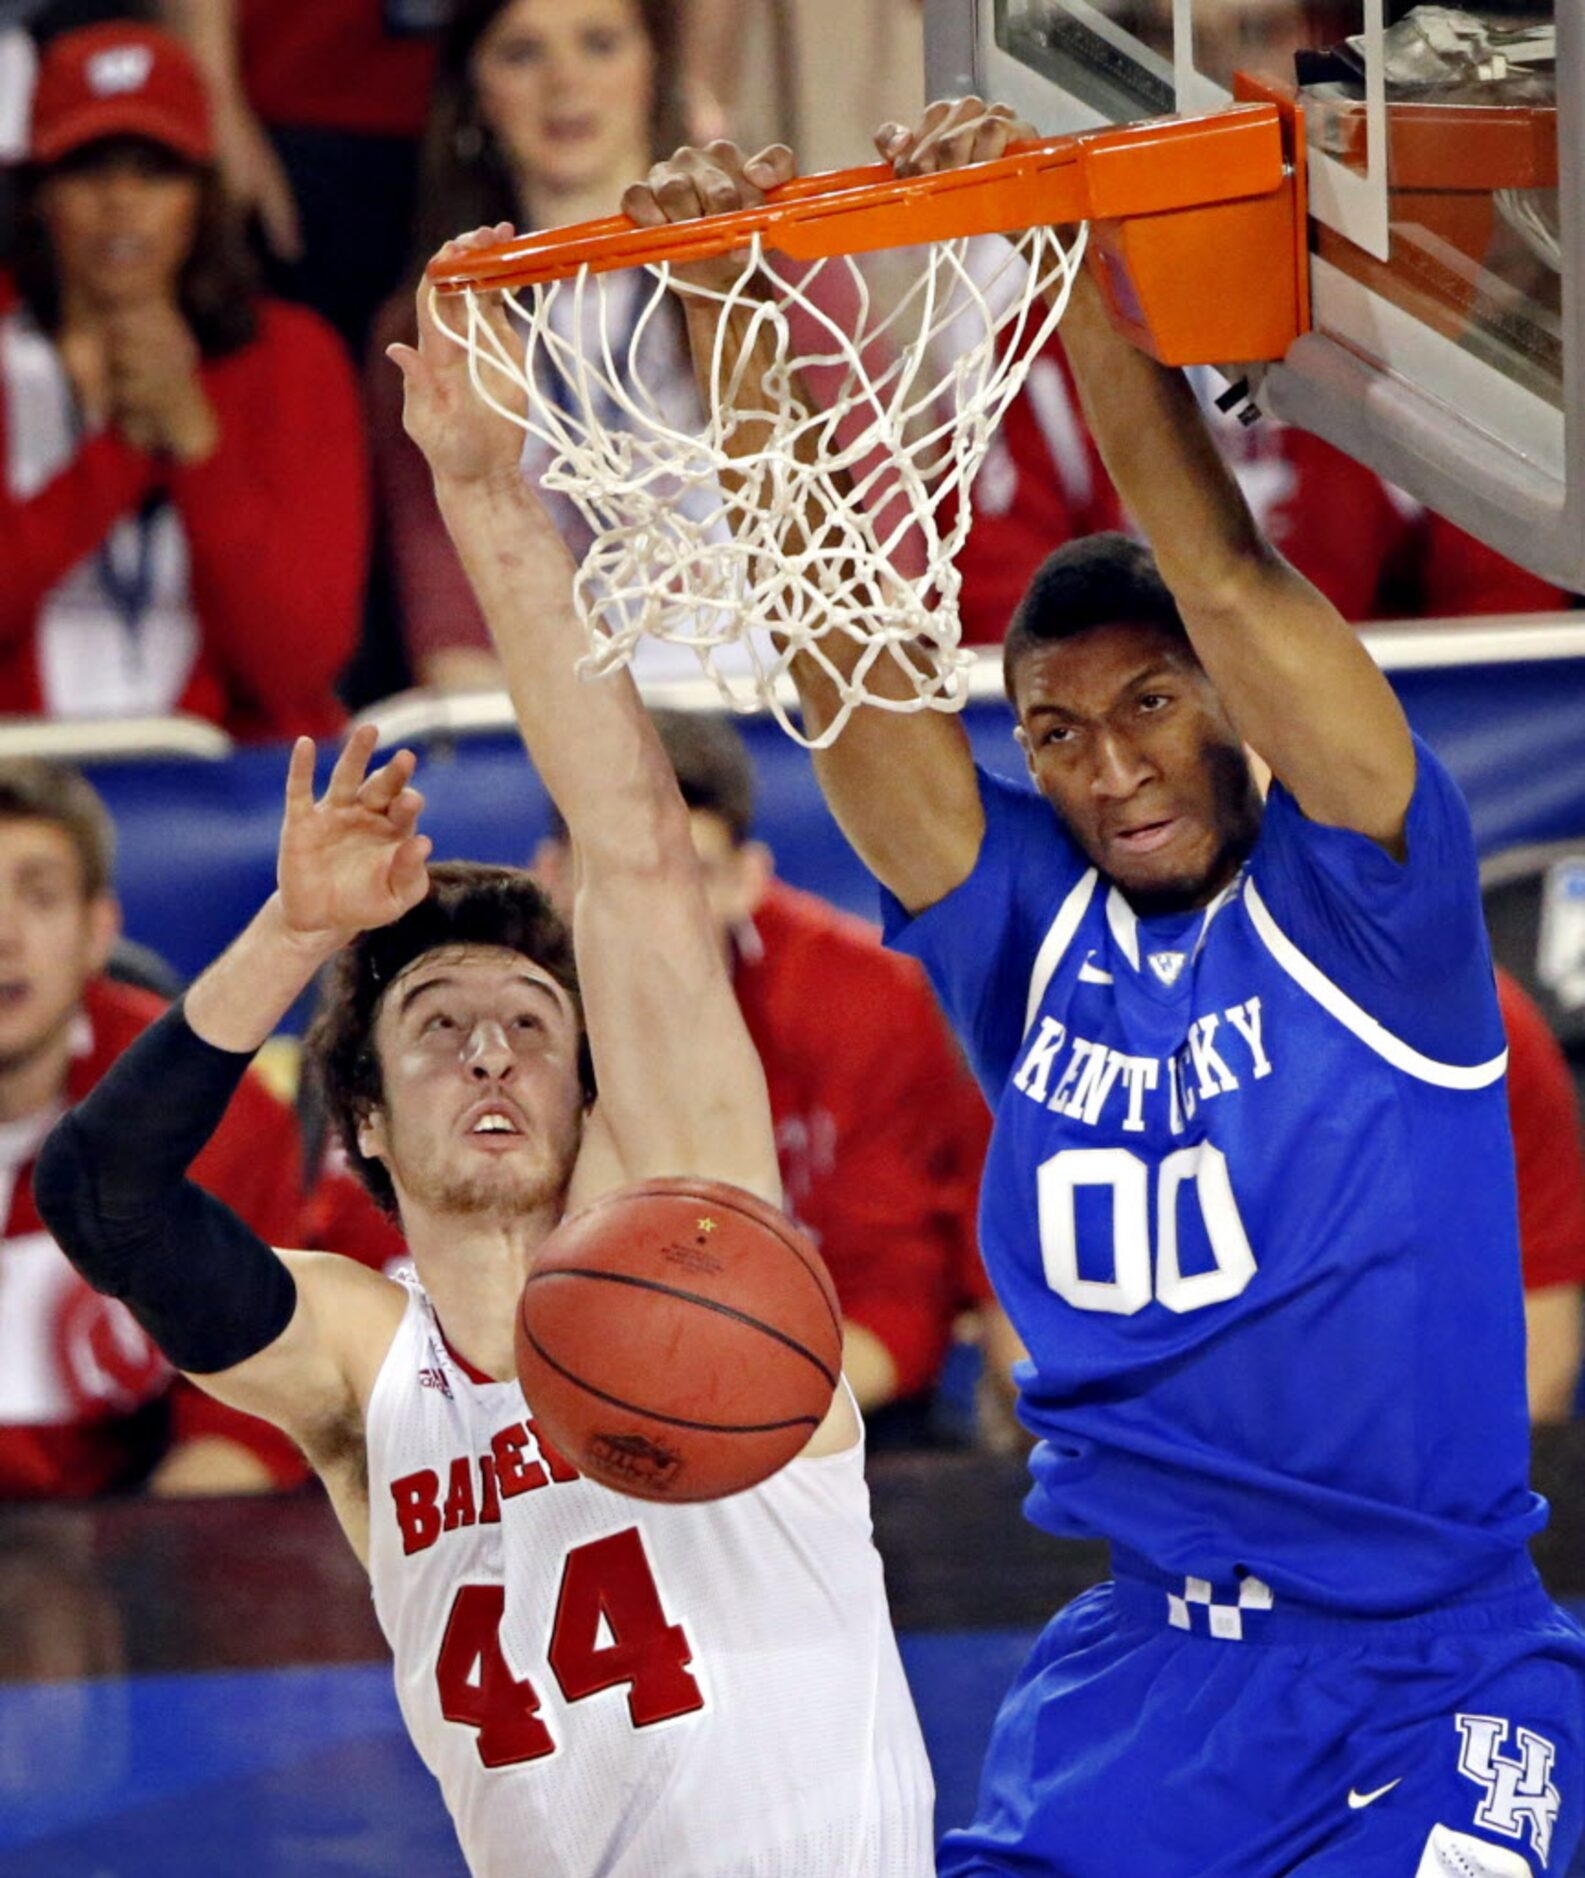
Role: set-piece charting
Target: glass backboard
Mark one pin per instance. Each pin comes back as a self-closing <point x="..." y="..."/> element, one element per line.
<point x="1447" y="177"/>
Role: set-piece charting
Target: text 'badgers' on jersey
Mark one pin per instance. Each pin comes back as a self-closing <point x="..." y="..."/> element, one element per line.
<point x="606" y="1687"/>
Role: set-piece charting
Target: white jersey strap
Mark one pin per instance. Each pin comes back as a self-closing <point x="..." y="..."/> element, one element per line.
<point x="1337" y="1003"/>
<point x="1059" y="936"/>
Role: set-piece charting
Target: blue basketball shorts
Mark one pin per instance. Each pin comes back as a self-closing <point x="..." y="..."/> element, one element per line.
<point x="1177" y="1729"/>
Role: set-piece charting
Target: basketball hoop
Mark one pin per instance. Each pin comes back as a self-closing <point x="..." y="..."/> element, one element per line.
<point x="844" y="520"/>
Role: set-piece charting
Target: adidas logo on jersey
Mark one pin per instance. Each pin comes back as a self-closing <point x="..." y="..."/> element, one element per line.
<point x="1168" y="966"/>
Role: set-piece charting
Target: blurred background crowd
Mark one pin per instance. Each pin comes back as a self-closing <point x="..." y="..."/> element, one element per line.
<point x="213" y="219"/>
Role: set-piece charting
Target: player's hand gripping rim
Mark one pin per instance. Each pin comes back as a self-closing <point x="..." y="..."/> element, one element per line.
<point x="464" y="437"/>
<point x="952" y="133"/>
<point x="714" y="180"/>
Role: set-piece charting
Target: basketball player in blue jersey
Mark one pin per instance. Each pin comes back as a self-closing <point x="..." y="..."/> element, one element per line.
<point x="1250" y="1199"/>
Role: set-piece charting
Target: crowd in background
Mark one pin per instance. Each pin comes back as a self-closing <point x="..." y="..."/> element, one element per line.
<point x="175" y="409"/>
<point x="215" y="215"/>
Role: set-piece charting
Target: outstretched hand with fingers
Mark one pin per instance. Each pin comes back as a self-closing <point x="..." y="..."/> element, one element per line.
<point x="352" y="860"/>
<point x="462" y="438"/>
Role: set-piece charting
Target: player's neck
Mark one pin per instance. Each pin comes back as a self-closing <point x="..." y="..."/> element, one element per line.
<point x="473" y="1273"/>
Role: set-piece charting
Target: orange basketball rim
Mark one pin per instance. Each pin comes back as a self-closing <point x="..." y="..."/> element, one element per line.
<point x="1177" y="207"/>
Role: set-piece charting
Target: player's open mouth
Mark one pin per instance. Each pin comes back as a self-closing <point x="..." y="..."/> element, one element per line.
<point x="12" y="994"/>
<point x="492" y="1123"/>
<point x="1149" y="836"/>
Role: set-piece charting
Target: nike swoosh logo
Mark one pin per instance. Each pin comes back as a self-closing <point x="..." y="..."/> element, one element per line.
<point x="1357" y="1800"/>
<point x="1092" y="974"/>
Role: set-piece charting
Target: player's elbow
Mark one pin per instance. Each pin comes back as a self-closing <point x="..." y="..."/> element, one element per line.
<point x="64" y="1186"/>
<point x="59" y="1175"/>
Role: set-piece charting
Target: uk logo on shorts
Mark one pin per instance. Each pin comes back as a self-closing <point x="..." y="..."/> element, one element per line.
<point x="1519" y="1789"/>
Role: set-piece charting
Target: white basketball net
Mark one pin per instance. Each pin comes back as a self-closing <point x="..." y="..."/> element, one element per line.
<point x="842" y="522"/>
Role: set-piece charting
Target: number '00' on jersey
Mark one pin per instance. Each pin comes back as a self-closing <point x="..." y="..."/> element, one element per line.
<point x="1249" y="1200"/>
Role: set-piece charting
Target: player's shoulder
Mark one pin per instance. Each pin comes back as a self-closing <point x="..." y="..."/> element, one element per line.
<point x="1436" y="868"/>
<point x="1016" y="799"/>
<point x="347" y="1278"/>
<point x="355" y="1308"/>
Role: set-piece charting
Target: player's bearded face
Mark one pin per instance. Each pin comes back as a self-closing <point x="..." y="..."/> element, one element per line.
<point x="1128" y="741"/>
<point x="483" y="1108"/>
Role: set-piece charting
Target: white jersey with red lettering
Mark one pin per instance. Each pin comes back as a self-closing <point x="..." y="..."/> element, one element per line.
<point x="610" y="1688"/>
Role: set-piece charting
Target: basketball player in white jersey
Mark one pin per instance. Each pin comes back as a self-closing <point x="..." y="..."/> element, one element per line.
<point x="601" y="1685"/>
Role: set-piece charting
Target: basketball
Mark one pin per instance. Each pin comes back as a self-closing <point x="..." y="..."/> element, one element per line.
<point x="678" y="1340"/>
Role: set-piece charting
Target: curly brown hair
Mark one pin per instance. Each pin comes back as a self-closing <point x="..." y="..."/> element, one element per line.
<point x="468" y="904"/>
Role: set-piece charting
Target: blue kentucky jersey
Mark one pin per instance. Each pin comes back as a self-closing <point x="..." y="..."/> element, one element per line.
<point x="1250" y="1201"/>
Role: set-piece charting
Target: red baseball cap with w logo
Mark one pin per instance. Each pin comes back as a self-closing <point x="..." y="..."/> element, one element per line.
<point x="120" y="80"/>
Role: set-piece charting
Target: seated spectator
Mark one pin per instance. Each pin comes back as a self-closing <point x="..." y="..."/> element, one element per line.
<point x="544" y="111"/>
<point x="86" y="1401"/>
<point x="183" y="505"/>
<point x="880" y="1128"/>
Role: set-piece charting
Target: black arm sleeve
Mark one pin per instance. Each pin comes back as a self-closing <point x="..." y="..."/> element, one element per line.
<point x="111" y="1186"/>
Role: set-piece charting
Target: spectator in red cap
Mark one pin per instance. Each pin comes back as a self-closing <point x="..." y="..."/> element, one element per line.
<point x="183" y="507"/>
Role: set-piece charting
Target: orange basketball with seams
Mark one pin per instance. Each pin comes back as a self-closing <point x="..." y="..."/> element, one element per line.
<point x="679" y="1340"/>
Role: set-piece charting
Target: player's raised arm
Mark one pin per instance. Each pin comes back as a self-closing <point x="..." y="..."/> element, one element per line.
<point x="902" y="785"/>
<point x="294" y="1337"/>
<point x="681" y="1089"/>
<point x="1299" y="685"/>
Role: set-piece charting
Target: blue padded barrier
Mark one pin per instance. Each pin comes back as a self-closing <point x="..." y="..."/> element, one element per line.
<point x="198" y="838"/>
